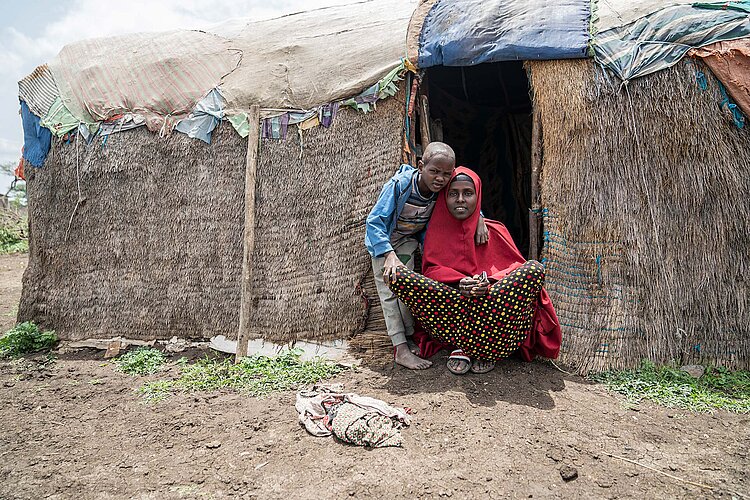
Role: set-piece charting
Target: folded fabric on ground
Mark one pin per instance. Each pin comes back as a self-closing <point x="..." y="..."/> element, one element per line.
<point x="324" y="410"/>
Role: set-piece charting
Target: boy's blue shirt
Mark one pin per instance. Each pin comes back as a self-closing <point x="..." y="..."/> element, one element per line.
<point x="384" y="215"/>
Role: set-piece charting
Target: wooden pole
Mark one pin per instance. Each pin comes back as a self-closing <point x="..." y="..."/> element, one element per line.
<point x="536" y="169"/>
<point x="424" y="122"/>
<point x="248" y="245"/>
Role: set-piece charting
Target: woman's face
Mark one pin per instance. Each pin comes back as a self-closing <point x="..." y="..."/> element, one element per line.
<point x="461" y="199"/>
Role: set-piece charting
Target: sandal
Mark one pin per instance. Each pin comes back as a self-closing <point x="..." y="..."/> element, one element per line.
<point x="458" y="355"/>
<point x="487" y="366"/>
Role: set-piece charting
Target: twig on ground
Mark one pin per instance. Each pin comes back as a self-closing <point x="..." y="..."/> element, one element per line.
<point x="700" y="485"/>
<point x="560" y="369"/>
<point x="107" y="407"/>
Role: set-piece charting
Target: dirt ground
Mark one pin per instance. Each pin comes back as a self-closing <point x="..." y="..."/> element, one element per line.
<point x="76" y="429"/>
<point x="11" y="272"/>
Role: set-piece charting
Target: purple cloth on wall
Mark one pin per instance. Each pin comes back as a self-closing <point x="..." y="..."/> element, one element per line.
<point x="275" y="127"/>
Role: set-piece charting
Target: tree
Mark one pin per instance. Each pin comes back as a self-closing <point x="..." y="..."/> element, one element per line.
<point x="16" y="193"/>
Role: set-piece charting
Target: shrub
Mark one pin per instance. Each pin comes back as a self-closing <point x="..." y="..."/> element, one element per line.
<point x="26" y="338"/>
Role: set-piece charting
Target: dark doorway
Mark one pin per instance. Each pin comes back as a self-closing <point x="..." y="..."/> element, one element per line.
<point x="485" y="113"/>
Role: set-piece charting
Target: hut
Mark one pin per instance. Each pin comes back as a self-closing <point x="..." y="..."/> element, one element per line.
<point x="196" y="183"/>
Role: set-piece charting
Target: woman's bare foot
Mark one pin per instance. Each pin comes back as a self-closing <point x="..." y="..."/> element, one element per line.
<point x="458" y="362"/>
<point x="404" y="357"/>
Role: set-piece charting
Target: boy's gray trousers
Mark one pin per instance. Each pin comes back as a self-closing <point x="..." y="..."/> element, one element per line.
<point x="398" y="318"/>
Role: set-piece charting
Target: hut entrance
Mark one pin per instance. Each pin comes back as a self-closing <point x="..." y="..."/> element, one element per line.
<point x="485" y="113"/>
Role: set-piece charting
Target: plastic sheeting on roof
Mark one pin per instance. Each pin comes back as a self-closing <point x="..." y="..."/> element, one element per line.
<point x="300" y="62"/>
<point x="156" y="75"/>
<point x="38" y="90"/>
<point x="304" y="60"/>
<point x="730" y="62"/>
<point x="611" y="14"/>
<point x="469" y="32"/>
<point x="659" y="39"/>
<point x="297" y="61"/>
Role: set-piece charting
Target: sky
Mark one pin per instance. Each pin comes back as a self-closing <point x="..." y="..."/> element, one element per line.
<point x="33" y="32"/>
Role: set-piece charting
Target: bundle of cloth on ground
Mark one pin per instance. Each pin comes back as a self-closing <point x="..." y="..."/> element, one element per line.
<point x="325" y="410"/>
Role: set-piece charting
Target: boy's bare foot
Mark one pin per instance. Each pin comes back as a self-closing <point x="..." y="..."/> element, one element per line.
<point x="413" y="347"/>
<point x="406" y="358"/>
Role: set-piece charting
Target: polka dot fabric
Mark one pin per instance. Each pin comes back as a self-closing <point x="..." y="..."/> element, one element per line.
<point x="490" y="327"/>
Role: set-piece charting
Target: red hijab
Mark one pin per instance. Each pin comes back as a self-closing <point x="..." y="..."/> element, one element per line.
<point x="450" y="254"/>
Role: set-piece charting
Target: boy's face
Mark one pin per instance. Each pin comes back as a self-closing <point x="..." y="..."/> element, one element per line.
<point x="437" y="172"/>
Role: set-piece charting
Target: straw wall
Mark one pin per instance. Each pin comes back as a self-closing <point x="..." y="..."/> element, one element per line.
<point x="646" y="222"/>
<point x="312" y="197"/>
<point x="155" y="248"/>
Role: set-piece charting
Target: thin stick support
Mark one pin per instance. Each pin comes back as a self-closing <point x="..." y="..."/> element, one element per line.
<point x="248" y="245"/>
<point x="536" y="199"/>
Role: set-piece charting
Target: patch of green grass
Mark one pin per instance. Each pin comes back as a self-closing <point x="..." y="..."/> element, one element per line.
<point x="669" y="386"/>
<point x="141" y="361"/>
<point x="13" y="233"/>
<point x="156" y="391"/>
<point x="25" y="338"/>
<point x="255" y="375"/>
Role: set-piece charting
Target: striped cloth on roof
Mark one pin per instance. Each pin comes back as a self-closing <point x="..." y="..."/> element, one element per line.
<point x="151" y="74"/>
<point x="39" y="90"/>
<point x="660" y="39"/>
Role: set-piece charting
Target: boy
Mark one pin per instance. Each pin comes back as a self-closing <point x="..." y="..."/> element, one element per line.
<point x="394" y="230"/>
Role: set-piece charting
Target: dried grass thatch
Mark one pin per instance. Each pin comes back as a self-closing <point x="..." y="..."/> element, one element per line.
<point x="155" y="249"/>
<point x="647" y="225"/>
<point x="312" y="199"/>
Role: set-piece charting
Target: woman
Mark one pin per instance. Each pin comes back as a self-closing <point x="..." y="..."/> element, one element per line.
<point x="484" y="300"/>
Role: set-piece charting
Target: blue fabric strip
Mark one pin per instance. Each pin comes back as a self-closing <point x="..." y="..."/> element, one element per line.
<point x="205" y="117"/>
<point x="469" y="32"/>
<point x="36" y="139"/>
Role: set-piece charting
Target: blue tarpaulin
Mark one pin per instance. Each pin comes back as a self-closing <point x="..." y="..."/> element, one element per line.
<point x="36" y="139"/>
<point x="469" y="32"/>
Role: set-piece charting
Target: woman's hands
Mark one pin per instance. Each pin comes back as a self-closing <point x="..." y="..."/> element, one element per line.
<point x="473" y="286"/>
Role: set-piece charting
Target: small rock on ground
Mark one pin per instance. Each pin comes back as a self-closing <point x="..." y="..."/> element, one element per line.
<point x="568" y="473"/>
